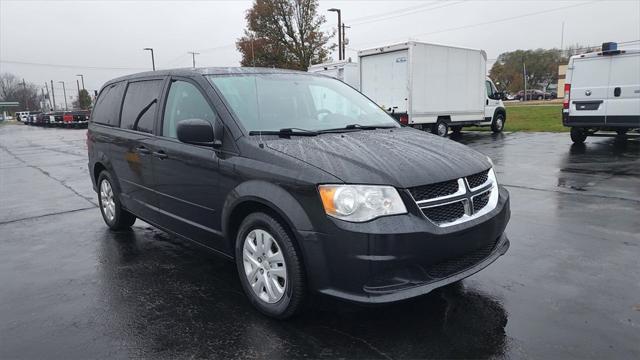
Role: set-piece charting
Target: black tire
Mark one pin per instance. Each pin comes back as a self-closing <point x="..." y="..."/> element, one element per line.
<point x="122" y="219"/>
<point x="440" y="128"/>
<point x="540" y="97"/>
<point x="456" y="130"/>
<point x="622" y="132"/>
<point x="497" y="124"/>
<point x="294" y="295"/>
<point x="578" y="135"/>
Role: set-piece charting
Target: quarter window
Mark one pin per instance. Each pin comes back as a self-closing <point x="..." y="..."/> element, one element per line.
<point x="107" y="108"/>
<point x="185" y="101"/>
<point x="140" y="103"/>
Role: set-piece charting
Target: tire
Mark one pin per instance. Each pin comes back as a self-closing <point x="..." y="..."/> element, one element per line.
<point x="456" y="129"/>
<point x="622" y="132"/>
<point x="578" y="135"/>
<point x="116" y="217"/>
<point x="540" y="97"/>
<point x="497" y="125"/>
<point x="288" y="288"/>
<point x="440" y="128"/>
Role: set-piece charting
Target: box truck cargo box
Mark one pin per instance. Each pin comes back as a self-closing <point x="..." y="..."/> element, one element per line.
<point x="346" y="71"/>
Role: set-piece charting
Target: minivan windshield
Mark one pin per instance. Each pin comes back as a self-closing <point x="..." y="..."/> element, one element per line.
<point x="272" y="102"/>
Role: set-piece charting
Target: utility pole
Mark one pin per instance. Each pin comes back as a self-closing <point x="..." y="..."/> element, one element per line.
<point x="344" y="40"/>
<point x="153" y="61"/>
<point x="193" y="56"/>
<point x="78" y="84"/>
<point x="339" y="32"/>
<point x="562" y="41"/>
<point x="53" y="94"/>
<point x="46" y="85"/>
<point x="64" y="91"/>
<point x="82" y="77"/>
<point x="524" y="72"/>
<point x="26" y="103"/>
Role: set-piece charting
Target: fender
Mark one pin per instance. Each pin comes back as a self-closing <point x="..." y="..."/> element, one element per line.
<point x="268" y="194"/>
<point x="502" y="110"/>
<point x="103" y="160"/>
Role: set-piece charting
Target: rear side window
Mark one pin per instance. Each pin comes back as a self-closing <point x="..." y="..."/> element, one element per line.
<point x="140" y="104"/>
<point x="107" y="108"/>
<point x="184" y="101"/>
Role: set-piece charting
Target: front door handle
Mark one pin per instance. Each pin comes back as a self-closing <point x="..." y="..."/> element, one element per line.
<point x="143" y="150"/>
<point x="160" y="155"/>
<point x="617" y="91"/>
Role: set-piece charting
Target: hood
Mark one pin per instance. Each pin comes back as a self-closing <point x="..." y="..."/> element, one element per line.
<point x="402" y="157"/>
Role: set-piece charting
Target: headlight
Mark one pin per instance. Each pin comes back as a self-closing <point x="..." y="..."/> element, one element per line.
<point x="359" y="203"/>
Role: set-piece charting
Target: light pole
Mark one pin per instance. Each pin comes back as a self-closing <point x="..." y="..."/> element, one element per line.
<point x="153" y="61"/>
<point x="82" y="77"/>
<point x="64" y="92"/>
<point x="339" y="32"/>
<point x="78" y="85"/>
<point x="193" y="56"/>
<point x="344" y="40"/>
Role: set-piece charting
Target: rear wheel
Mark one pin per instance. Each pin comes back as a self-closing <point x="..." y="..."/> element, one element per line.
<point x="269" y="266"/>
<point x="497" y="125"/>
<point x="578" y="135"/>
<point x="113" y="214"/>
<point x="540" y="97"/>
<point x="440" y="128"/>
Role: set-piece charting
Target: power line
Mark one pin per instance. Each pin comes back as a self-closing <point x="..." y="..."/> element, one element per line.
<point x="407" y="11"/>
<point x="69" y="66"/>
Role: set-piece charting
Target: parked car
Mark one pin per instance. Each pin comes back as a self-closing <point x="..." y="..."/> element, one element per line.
<point x="42" y="119"/>
<point x="76" y="118"/>
<point x="533" y="95"/>
<point x="22" y="116"/>
<point x="602" y="92"/>
<point x="31" y="119"/>
<point x="305" y="183"/>
<point x="56" y="118"/>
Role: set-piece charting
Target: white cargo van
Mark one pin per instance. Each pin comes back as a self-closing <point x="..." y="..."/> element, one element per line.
<point x="429" y="86"/>
<point x="346" y="71"/>
<point x="602" y="93"/>
<point x="22" y="116"/>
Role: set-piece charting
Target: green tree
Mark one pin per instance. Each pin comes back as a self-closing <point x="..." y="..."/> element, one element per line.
<point x="83" y="101"/>
<point x="284" y="34"/>
<point x="541" y="65"/>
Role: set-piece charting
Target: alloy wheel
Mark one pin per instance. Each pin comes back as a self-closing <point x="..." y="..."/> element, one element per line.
<point x="107" y="201"/>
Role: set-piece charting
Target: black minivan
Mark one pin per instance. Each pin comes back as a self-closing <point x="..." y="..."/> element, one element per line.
<point x="308" y="185"/>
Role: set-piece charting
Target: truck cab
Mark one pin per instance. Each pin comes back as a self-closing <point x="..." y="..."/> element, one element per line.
<point x="495" y="113"/>
<point x="602" y="93"/>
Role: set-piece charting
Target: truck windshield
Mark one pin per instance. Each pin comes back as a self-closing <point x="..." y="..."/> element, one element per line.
<point x="271" y="102"/>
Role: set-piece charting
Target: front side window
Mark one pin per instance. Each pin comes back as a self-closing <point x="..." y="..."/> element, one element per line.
<point x="489" y="88"/>
<point x="184" y="101"/>
<point x="140" y="103"/>
<point x="270" y="102"/>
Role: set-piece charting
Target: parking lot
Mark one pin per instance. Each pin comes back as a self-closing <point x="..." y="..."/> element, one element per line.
<point x="569" y="287"/>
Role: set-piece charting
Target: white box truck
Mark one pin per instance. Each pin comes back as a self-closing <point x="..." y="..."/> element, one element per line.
<point x="602" y="93"/>
<point x="346" y="71"/>
<point x="429" y="86"/>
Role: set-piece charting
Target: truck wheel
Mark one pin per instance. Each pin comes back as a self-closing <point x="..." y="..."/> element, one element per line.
<point x="440" y="128"/>
<point x="497" y="125"/>
<point x="269" y="266"/>
<point x="578" y="135"/>
<point x="540" y="97"/>
<point x="622" y="132"/>
<point x="113" y="214"/>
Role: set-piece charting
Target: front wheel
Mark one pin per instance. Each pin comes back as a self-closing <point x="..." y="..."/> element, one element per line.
<point x="114" y="215"/>
<point x="497" y="125"/>
<point x="578" y="135"/>
<point x="269" y="266"/>
<point x="540" y="97"/>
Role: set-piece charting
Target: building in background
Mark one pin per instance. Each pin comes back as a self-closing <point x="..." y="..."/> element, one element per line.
<point x="562" y="74"/>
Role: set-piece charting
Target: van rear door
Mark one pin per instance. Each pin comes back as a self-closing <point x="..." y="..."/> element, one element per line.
<point x="384" y="79"/>
<point x="589" y="84"/>
<point x="623" y="104"/>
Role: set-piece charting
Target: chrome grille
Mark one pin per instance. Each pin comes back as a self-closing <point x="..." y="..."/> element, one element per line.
<point x="456" y="201"/>
<point x="440" y="189"/>
<point x="445" y="213"/>
<point x="480" y="201"/>
<point x="478" y="179"/>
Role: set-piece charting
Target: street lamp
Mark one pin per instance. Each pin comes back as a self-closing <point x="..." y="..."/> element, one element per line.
<point x="81" y="77"/>
<point x="153" y="61"/>
<point x="339" y="32"/>
<point x="64" y="92"/>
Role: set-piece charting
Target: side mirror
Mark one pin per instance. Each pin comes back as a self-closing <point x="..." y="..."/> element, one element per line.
<point x="199" y="132"/>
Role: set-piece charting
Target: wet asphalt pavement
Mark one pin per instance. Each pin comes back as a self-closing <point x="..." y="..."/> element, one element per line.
<point x="569" y="287"/>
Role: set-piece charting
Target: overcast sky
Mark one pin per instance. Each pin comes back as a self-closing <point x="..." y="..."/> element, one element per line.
<point x="104" y="39"/>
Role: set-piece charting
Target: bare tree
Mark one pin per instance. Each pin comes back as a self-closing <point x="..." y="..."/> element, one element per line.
<point x="13" y="89"/>
<point x="284" y="33"/>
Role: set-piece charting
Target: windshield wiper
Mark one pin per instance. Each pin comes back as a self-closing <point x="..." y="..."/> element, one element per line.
<point x="352" y="127"/>
<point x="286" y="132"/>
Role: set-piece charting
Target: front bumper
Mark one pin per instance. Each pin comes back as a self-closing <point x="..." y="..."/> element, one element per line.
<point x="399" y="257"/>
